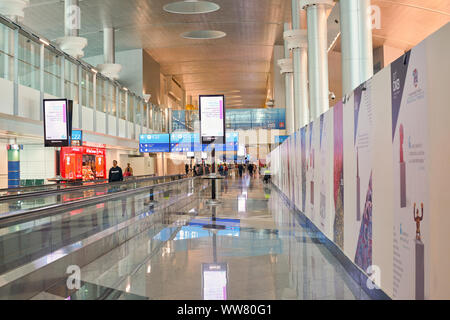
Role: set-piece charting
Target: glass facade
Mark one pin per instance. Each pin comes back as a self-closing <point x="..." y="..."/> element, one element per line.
<point x="64" y="76"/>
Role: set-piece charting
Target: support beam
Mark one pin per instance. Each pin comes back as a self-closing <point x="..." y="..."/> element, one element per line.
<point x="317" y="55"/>
<point x="109" y="68"/>
<point x="287" y="70"/>
<point x="298" y="42"/>
<point x="356" y="43"/>
<point x="71" y="43"/>
<point x="13" y="9"/>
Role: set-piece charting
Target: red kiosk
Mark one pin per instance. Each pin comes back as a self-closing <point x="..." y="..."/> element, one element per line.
<point x="73" y="158"/>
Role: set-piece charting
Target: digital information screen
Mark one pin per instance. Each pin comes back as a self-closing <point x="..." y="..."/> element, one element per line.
<point x="56" y="123"/>
<point x="214" y="280"/>
<point x="212" y="119"/>
<point x="154" y="143"/>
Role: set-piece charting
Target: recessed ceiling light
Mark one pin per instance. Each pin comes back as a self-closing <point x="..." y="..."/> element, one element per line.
<point x="203" y="34"/>
<point x="191" y="7"/>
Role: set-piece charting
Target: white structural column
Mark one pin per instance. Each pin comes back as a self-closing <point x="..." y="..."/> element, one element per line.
<point x="298" y="42"/>
<point x="317" y="55"/>
<point x="13" y="9"/>
<point x="72" y="43"/>
<point x="287" y="70"/>
<point x="109" y="68"/>
<point x="356" y="43"/>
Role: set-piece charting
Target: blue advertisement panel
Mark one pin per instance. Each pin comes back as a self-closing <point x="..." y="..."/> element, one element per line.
<point x="154" y="143"/>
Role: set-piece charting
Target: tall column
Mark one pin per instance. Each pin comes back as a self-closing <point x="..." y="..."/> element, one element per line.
<point x="356" y="43"/>
<point x="297" y="39"/>
<point x="13" y="9"/>
<point x="317" y="55"/>
<point x="287" y="70"/>
<point x="72" y="43"/>
<point x="13" y="165"/>
<point x="109" y="68"/>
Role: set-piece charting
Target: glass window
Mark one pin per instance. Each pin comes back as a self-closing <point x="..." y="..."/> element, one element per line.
<point x="71" y="80"/>
<point x="29" y="62"/>
<point x="112" y="99"/>
<point x="138" y="111"/>
<point x="123" y="107"/>
<point x="131" y="108"/>
<point x="144" y="114"/>
<point x="52" y="72"/>
<point x="6" y="53"/>
<point x="84" y="88"/>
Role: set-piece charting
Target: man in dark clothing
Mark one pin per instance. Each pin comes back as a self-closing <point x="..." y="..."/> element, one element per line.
<point x="250" y="169"/>
<point x="241" y="169"/>
<point x="115" y="173"/>
<point x="186" y="168"/>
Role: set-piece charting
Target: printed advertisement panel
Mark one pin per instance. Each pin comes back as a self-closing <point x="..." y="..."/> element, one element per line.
<point x="358" y="181"/>
<point x="409" y="139"/>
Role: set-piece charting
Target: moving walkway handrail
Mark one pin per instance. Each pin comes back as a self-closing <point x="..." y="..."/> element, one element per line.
<point x="56" y="208"/>
<point x="87" y="187"/>
<point x="69" y="184"/>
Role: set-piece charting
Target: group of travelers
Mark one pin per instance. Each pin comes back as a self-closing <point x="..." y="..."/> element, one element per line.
<point x="116" y="174"/>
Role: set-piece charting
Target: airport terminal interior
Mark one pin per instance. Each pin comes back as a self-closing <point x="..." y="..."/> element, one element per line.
<point x="224" y="150"/>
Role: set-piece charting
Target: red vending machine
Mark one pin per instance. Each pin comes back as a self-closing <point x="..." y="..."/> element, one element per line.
<point x="83" y="163"/>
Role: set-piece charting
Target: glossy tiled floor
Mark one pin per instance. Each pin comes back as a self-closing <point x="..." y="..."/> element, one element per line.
<point x="251" y="246"/>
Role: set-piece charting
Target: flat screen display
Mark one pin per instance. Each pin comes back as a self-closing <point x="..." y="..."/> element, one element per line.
<point x="214" y="278"/>
<point x="212" y="119"/>
<point x="56" y="122"/>
<point x="154" y="143"/>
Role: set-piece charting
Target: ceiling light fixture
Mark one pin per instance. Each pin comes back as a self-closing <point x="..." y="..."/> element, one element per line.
<point x="191" y="7"/>
<point x="203" y="34"/>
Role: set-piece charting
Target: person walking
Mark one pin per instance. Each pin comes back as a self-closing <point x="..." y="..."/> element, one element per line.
<point x="240" y="169"/>
<point x="250" y="170"/>
<point x="186" y="168"/>
<point x="128" y="171"/>
<point x="115" y="173"/>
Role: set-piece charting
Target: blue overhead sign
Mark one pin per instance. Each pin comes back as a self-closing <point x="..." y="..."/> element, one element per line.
<point x="77" y="135"/>
<point x="280" y="139"/>
<point x="154" y="143"/>
<point x="185" y="142"/>
<point x="190" y="142"/>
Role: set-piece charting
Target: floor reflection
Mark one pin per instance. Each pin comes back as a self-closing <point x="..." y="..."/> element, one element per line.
<point x="251" y="246"/>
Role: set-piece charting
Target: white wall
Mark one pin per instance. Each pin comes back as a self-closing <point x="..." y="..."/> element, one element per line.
<point x="7" y="94"/>
<point x="37" y="162"/>
<point x="3" y="166"/>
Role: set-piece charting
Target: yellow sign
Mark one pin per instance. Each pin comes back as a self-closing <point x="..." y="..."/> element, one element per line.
<point x="190" y="107"/>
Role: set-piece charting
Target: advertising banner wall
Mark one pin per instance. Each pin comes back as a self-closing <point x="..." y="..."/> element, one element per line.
<point x="338" y="172"/>
<point x="358" y="177"/>
<point x="309" y="205"/>
<point x="411" y="205"/>
<point x="373" y="174"/>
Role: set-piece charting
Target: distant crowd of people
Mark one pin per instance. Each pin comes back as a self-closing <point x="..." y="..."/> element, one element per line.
<point x="224" y="169"/>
